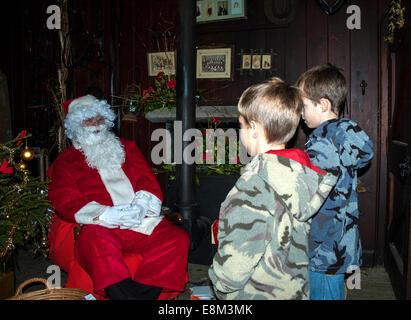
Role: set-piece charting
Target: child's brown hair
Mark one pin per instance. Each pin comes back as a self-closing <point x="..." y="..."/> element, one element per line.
<point x="325" y="81"/>
<point x="276" y="105"/>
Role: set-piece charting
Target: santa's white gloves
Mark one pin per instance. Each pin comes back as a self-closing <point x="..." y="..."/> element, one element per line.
<point x="150" y="203"/>
<point x="125" y="216"/>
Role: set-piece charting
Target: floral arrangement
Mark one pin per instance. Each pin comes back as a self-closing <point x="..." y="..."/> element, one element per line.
<point x="162" y="95"/>
<point x="158" y="97"/>
<point x="225" y="168"/>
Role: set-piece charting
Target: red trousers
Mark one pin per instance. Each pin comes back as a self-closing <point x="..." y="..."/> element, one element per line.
<point x="100" y="250"/>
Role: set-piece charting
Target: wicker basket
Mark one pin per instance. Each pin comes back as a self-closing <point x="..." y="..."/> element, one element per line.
<point x="48" y="293"/>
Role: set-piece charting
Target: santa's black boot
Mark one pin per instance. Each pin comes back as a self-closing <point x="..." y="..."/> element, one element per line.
<point x="131" y="290"/>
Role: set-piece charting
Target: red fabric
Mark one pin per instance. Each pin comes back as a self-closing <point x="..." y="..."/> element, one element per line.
<point x="214" y="228"/>
<point x="79" y="279"/>
<point x="298" y="156"/>
<point x="73" y="185"/>
<point x="61" y="243"/>
<point x="100" y="252"/>
<point x="66" y="105"/>
<point x="5" y="169"/>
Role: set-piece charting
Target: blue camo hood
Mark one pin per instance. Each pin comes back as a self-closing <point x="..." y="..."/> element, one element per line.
<point x="354" y="144"/>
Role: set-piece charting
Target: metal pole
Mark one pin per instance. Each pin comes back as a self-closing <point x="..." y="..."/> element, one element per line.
<point x="186" y="86"/>
<point x="112" y="58"/>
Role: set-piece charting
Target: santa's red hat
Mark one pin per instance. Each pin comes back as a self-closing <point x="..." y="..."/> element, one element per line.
<point x="71" y="105"/>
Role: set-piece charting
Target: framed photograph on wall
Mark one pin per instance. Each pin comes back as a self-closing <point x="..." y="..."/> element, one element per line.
<point x="266" y="62"/>
<point x="161" y="62"/>
<point x="246" y="63"/>
<point x="219" y="10"/>
<point x="215" y="63"/>
<point x="256" y="61"/>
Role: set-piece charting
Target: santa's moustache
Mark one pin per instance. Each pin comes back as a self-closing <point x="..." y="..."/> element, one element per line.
<point x="101" y="147"/>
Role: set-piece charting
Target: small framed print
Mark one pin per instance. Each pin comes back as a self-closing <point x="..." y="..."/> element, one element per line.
<point x="246" y="62"/>
<point x="256" y="62"/>
<point x="266" y="61"/>
<point x="161" y="62"/>
<point x="237" y="7"/>
<point x="220" y="10"/>
<point x="199" y="10"/>
<point x="215" y="63"/>
<point x="209" y="10"/>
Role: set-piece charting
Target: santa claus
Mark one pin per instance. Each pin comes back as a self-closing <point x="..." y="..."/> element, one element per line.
<point x="105" y="185"/>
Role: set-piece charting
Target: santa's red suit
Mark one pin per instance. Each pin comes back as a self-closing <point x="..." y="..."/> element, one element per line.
<point x="76" y="187"/>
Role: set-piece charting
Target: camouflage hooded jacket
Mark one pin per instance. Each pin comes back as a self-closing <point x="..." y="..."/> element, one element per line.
<point x="340" y="147"/>
<point x="263" y="230"/>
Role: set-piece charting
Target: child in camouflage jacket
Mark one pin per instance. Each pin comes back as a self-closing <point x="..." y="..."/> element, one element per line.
<point x="338" y="146"/>
<point x="264" y="220"/>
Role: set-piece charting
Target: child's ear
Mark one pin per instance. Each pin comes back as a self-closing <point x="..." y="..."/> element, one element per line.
<point x="253" y="128"/>
<point x="325" y="105"/>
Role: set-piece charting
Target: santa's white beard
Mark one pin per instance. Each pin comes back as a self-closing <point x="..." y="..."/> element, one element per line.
<point x="101" y="147"/>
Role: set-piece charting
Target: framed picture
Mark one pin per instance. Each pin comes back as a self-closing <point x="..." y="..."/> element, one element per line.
<point x="266" y="62"/>
<point x="161" y="62"/>
<point x="218" y="10"/>
<point x="256" y="62"/>
<point x="215" y="63"/>
<point x="246" y="63"/>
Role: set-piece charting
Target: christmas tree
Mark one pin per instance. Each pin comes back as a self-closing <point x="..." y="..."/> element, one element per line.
<point x="24" y="209"/>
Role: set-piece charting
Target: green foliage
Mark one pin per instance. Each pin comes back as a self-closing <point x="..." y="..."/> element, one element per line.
<point x="161" y="96"/>
<point x="23" y="199"/>
<point x="223" y="168"/>
<point x="396" y="20"/>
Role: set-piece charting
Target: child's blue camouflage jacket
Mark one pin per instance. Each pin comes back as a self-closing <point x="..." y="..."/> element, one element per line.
<point x="340" y="147"/>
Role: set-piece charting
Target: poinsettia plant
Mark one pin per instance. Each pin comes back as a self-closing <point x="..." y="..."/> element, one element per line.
<point x="158" y="97"/>
<point x="162" y="95"/>
<point x="225" y="167"/>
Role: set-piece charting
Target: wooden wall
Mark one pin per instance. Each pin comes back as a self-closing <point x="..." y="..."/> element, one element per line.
<point x="27" y="59"/>
<point x="133" y="29"/>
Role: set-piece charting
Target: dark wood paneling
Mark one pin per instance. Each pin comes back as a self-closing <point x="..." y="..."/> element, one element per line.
<point x="365" y="111"/>
<point x="295" y="62"/>
<point x="339" y="46"/>
<point x="295" y="55"/>
<point x="384" y="101"/>
<point x="397" y="257"/>
<point x="317" y="35"/>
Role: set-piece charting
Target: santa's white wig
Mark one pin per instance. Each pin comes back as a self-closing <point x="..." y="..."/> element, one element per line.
<point x="83" y="108"/>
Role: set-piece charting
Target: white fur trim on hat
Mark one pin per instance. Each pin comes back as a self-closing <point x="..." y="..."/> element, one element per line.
<point x="87" y="100"/>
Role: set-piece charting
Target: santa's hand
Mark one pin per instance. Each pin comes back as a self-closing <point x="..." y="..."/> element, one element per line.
<point x="150" y="203"/>
<point x="132" y="217"/>
<point x="116" y="215"/>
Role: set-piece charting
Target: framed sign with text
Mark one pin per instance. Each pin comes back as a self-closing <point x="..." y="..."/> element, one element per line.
<point x="215" y="63"/>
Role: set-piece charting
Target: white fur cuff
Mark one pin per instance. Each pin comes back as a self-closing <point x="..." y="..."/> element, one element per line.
<point x="89" y="213"/>
<point x="149" y="201"/>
